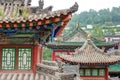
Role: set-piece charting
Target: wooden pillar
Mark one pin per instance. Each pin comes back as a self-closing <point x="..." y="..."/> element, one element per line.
<point x="106" y="73"/>
<point x="35" y="57"/>
<point x="68" y="53"/>
<point x="40" y="54"/>
<point x="53" y="55"/>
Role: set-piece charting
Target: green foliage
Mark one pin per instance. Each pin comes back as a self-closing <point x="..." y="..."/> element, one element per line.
<point x="47" y="53"/>
<point x="103" y="16"/>
<point x="108" y="24"/>
<point x="97" y="32"/>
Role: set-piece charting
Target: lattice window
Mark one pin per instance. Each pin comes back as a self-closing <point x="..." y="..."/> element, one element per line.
<point x="8" y="58"/>
<point x="101" y="72"/>
<point x="24" y="59"/>
<point x="82" y="72"/>
<point x="87" y="72"/>
<point x="59" y="53"/>
<point x="94" y="72"/>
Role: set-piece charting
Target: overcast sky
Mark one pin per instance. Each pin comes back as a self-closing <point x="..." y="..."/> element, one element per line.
<point x="84" y="5"/>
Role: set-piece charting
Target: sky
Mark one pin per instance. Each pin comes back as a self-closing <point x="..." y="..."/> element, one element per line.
<point x="84" y="5"/>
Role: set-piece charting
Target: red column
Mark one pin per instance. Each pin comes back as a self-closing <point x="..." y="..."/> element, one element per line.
<point x="106" y="73"/>
<point x="53" y="56"/>
<point x="40" y="56"/>
<point x="35" y="57"/>
<point x="68" y="53"/>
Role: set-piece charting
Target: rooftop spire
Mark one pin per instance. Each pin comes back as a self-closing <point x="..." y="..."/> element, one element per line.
<point x="77" y="25"/>
<point x="88" y="36"/>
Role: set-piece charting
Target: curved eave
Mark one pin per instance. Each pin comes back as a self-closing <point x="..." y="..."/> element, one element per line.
<point x="39" y="18"/>
<point x="89" y="63"/>
<point x="33" y="22"/>
<point x="79" y="44"/>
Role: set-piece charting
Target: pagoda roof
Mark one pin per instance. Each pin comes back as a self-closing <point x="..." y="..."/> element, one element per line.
<point x="115" y="67"/>
<point x="19" y="17"/>
<point x="34" y="16"/>
<point x="77" y="38"/>
<point x="62" y="43"/>
<point x="89" y="54"/>
<point x="78" y="35"/>
<point x="15" y="12"/>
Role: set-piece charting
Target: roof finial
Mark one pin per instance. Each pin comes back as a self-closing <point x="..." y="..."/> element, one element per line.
<point x="77" y="25"/>
<point x="88" y="36"/>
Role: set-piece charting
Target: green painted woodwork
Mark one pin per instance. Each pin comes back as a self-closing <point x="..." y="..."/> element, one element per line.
<point x="12" y="25"/>
<point x="101" y="72"/>
<point x="94" y="72"/>
<point x="81" y="72"/>
<point x="24" y="58"/>
<point x="34" y="23"/>
<point x="115" y="67"/>
<point x="60" y="43"/>
<point x="87" y="72"/>
<point x="26" y="24"/>
<point x="4" y="25"/>
<point x="50" y="21"/>
<point x="24" y="35"/>
<point x="50" y="27"/>
<point x="19" y="25"/>
<point x="8" y="59"/>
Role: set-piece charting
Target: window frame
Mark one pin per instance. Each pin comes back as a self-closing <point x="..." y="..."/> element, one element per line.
<point x="103" y="73"/>
<point x="28" y="60"/>
<point x="4" y="65"/>
<point x="91" y="72"/>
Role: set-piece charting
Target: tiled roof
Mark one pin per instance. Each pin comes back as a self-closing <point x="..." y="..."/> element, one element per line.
<point x="90" y="54"/>
<point x="77" y="38"/>
<point x="115" y="67"/>
<point x="40" y="16"/>
<point x="20" y="76"/>
<point x="62" y="43"/>
<point x="35" y="17"/>
<point x="77" y="35"/>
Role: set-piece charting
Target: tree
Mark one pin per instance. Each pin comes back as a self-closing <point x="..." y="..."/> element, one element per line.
<point x="46" y="53"/>
<point x="97" y="32"/>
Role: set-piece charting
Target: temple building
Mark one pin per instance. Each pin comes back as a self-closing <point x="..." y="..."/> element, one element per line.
<point x="23" y="30"/>
<point x="93" y="61"/>
<point x="73" y="40"/>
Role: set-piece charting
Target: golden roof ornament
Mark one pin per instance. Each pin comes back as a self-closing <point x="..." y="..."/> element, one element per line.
<point x="88" y="36"/>
<point x="77" y="25"/>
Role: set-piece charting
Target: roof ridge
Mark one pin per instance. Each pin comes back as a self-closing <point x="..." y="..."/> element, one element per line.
<point x="87" y="44"/>
<point x="75" y="31"/>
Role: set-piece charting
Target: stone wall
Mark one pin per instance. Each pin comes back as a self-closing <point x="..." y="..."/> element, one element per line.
<point x="51" y="71"/>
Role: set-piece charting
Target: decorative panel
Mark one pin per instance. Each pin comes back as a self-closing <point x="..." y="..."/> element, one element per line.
<point x="101" y="72"/>
<point x="59" y="53"/>
<point x="8" y="58"/>
<point x="94" y="72"/>
<point x="81" y="72"/>
<point x="87" y="72"/>
<point x="24" y="58"/>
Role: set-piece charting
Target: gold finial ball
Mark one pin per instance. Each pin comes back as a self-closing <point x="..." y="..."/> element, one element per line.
<point x="77" y="25"/>
<point x="88" y="36"/>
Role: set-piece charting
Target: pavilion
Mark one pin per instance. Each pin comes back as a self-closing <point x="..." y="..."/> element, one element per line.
<point x="93" y="61"/>
<point x="23" y="30"/>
